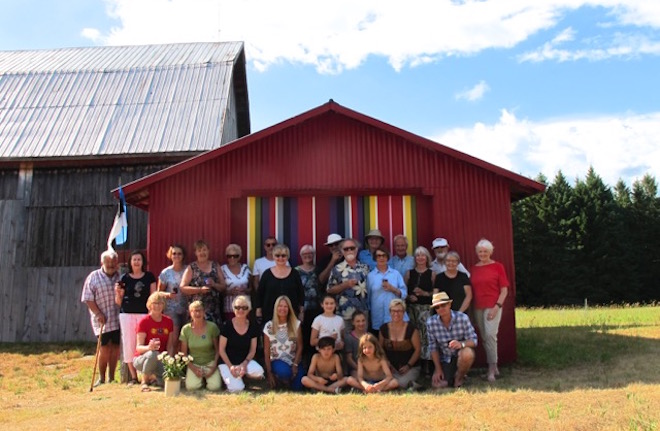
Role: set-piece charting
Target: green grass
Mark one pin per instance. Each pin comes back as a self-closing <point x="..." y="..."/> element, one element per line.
<point x="556" y="338"/>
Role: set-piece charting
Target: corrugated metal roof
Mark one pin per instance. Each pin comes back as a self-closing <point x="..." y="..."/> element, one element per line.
<point x="117" y="100"/>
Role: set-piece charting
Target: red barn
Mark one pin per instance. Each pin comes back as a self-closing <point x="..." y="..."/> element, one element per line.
<point x="329" y="170"/>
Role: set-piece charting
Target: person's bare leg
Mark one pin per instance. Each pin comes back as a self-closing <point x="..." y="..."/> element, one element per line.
<point x="465" y="361"/>
<point x="113" y="359"/>
<point x="104" y="354"/>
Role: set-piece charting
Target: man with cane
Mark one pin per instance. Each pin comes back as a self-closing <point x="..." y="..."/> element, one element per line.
<point x="99" y="295"/>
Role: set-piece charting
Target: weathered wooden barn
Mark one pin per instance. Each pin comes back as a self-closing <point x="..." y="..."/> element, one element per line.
<point x="75" y="123"/>
<point x="327" y="170"/>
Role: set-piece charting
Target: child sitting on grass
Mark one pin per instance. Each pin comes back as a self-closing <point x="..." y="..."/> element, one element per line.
<point x="373" y="373"/>
<point x="325" y="373"/>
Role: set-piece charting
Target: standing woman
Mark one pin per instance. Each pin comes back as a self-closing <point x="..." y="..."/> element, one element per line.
<point x="283" y="347"/>
<point x="454" y="283"/>
<point x="169" y="281"/>
<point x="131" y="294"/>
<point x="312" y="305"/>
<point x="238" y="278"/>
<point x="203" y="281"/>
<point x="419" y="281"/>
<point x="199" y="339"/>
<point x="490" y="286"/>
<point x="280" y="280"/>
<point x="384" y="284"/>
<point x="238" y="345"/>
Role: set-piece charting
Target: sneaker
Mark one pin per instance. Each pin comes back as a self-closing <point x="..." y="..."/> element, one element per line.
<point x="337" y="390"/>
<point x="98" y="383"/>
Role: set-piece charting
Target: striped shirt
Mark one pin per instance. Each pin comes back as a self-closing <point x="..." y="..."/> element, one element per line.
<point x="100" y="288"/>
<point x="439" y="335"/>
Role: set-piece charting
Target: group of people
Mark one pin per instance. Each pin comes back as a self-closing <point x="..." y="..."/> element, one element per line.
<point x="364" y="319"/>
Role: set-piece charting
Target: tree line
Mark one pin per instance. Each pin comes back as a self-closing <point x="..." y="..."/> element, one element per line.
<point x="588" y="241"/>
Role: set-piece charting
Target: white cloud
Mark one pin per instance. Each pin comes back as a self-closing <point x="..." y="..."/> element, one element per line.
<point x="475" y="93"/>
<point x="341" y="34"/>
<point x="626" y="146"/>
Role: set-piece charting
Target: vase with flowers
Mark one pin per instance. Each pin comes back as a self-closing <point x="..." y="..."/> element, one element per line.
<point x="174" y="368"/>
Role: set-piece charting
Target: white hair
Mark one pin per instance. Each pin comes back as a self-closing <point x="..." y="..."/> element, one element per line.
<point x="483" y="242"/>
<point x="109" y="253"/>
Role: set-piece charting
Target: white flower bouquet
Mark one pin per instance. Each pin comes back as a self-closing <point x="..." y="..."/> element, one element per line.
<point x="174" y="366"/>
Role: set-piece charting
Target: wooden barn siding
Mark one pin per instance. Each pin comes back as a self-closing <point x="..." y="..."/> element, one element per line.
<point x="53" y="311"/>
<point x="53" y="230"/>
<point x="8" y="183"/>
<point x="71" y="211"/>
<point x="12" y="275"/>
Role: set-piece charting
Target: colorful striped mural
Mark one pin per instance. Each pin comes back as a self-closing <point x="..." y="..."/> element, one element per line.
<point x="296" y="221"/>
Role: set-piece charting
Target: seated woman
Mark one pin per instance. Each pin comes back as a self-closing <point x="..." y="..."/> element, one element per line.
<point x="402" y="345"/>
<point x="199" y="338"/>
<point x="238" y="345"/>
<point x="155" y="334"/>
<point x="283" y="347"/>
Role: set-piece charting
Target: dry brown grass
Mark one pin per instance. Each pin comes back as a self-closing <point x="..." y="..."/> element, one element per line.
<point x="44" y="388"/>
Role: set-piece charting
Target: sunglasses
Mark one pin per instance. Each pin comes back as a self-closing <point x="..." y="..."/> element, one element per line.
<point x="380" y="255"/>
<point x="348" y="248"/>
<point x="177" y="253"/>
<point x="270" y="244"/>
<point x="281" y="256"/>
<point x="233" y="256"/>
<point x="241" y="307"/>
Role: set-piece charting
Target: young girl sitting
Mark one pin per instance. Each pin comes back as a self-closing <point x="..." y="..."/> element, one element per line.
<point x="373" y="373"/>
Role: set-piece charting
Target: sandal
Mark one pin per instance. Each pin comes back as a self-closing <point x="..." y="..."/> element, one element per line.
<point x="132" y="382"/>
<point x="145" y="387"/>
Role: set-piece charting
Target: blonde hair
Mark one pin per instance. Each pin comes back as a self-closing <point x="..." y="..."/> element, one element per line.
<point x="244" y="299"/>
<point x="196" y="305"/>
<point x="397" y="302"/>
<point x="424" y="252"/>
<point x="291" y="318"/>
<point x="155" y="297"/>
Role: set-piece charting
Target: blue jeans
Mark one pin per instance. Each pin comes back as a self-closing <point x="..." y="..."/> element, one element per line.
<point x="283" y="371"/>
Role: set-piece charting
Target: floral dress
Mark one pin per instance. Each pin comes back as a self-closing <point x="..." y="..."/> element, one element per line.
<point x="213" y="301"/>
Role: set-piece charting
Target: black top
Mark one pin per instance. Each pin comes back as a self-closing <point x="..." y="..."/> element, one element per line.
<point x="398" y="352"/>
<point x="238" y="346"/>
<point x="423" y="281"/>
<point x="455" y="287"/>
<point x="270" y="287"/>
<point x="136" y="293"/>
<point x="321" y="265"/>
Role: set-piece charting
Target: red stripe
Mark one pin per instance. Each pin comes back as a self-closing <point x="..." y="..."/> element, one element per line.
<point x="322" y="225"/>
<point x="356" y="222"/>
<point x="384" y="219"/>
<point x="305" y="217"/>
<point x="397" y="217"/>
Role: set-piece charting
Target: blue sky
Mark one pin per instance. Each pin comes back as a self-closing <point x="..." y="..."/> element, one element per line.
<point x="532" y="86"/>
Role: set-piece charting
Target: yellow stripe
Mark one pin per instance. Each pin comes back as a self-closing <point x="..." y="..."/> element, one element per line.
<point x="373" y="212"/>
<point x="407" y="222"/>
<point x="251" y="230"/>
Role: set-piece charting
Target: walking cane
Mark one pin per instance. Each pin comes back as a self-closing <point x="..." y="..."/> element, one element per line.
<point x="96" y="357"/>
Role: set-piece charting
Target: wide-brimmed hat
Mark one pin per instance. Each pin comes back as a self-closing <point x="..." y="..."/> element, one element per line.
<point x="333" y="238"/>
<point x="440" y="298"/>
<point x="376" y="233"/>
<point x="440" y="242"/>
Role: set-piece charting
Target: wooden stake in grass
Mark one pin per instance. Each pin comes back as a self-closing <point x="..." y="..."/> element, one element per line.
<point x="96" y="357"/>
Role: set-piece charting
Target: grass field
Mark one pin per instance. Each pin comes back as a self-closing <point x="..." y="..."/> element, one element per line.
<point x="594" y="369"/>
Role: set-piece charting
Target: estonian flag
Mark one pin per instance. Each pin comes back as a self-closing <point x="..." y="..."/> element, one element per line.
<point x="119" y="230"/>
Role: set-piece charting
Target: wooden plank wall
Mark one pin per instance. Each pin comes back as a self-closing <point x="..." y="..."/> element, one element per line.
<point x="11" y="269"/>
<point x="53" y="311"/>
<point x="54" y="225"/>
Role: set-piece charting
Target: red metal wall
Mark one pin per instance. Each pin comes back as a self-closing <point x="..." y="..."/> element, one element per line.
<point x="335" y="155"/>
